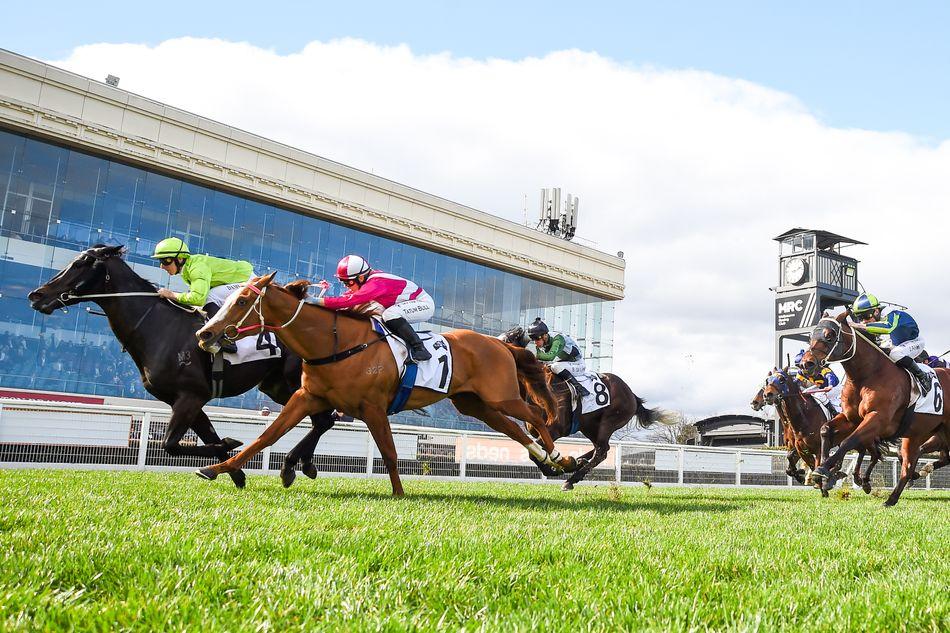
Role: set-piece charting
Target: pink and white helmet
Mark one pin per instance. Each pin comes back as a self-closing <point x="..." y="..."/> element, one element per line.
<point x="351" y="267"/>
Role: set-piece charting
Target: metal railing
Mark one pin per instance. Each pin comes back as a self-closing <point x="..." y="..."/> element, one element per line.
<point x="42" y="434"/>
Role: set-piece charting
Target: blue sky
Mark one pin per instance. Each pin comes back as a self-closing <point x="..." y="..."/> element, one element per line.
<point x="871" y="64"/>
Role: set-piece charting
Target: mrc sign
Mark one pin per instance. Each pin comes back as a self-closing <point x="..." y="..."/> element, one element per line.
<point x="793" y="312"/>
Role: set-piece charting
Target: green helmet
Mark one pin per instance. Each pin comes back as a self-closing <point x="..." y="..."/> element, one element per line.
<point x="865" y="303"/>
<point x="171" y="247"/>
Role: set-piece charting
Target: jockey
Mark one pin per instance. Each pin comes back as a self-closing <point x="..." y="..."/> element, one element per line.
<point x="561" y="353"/>
<point x="826" y="384"/>
<point x="399" y="301"/>
<point x="903" y="331"/>
<point x="932" y="361"/>
<point x="210" y="279"/>
<point x="826" y="379"/>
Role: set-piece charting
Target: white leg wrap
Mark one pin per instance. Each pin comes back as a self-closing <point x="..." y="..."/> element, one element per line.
<point x="536" y="451"/>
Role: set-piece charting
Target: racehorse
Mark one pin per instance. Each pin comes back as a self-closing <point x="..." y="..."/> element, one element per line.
<point x="874" y="400"/>
<point x="597" y="426"/>
<point x="362" y="379"/>
<point x="803" y="420"/>
<point x="159" y="336"/>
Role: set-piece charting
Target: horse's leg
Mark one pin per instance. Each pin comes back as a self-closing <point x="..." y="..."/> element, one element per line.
<point x="378" y="424"/>
<point x="935" y="445"/>
<point x="863" y="437"/>
<point x="910" y="451"/>
<point x="204" y="429"/>
<point x="185" y="411"/>
<point x="519" y="409"/>
<point x="322" y="422"/>
<point x="792" y="470"/>
<point x="600" y="454"/>
<point x="866" y="479"/>
<point x="301" y="404"/>
<point x="470" y="404"/>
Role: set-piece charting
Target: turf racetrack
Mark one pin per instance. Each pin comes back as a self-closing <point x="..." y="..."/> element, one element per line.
<point x="111" y="551"/>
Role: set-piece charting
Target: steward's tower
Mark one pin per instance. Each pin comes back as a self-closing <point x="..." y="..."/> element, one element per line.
<point x="813" y="276"/>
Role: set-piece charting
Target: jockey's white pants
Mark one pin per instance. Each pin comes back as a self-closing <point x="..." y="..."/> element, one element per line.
<point x="417" y="310"/>
<point x="577" y="367"/>
<point x="834" y="396"/>
<point x="219" y="294"/>
<point x="911" y="348"/>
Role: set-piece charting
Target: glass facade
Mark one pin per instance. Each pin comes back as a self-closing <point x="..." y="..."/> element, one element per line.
<point x="60" y="198"/>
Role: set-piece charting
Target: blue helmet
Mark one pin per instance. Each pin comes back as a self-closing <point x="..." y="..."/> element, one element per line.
<point x="865" y="303"/>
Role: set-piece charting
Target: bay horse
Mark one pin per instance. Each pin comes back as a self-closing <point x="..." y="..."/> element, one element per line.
<point x="803" y="419"/>
<point x="362" y="379"/>
<point x="159" y="336"/>
<point x="597" y="426"/>
<point x="874" y="400"/>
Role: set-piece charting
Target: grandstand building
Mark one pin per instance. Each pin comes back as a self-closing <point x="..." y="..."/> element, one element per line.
<point x="83" y="162"/>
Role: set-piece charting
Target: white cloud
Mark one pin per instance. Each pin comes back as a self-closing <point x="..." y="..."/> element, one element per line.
<point x="689" y="173"/>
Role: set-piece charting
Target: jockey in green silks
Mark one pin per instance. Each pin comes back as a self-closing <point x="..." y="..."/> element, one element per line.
<point x="561" y="353"/>
<point x="211" y="280"/>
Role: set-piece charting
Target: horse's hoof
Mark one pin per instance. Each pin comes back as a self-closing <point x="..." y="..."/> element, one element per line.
<point x="567" y="486"/>
<point x="310" y="470"/>
<point x="824" y="493"/>
<point x="206" y="473"/>
<point x="890" y="504"/>
<point x="239" y="478"/>
<point x="546" y="470"/>
<point x="229" y="443"/>
<point x="866" y="487"/>
<point x="287" y="477"/>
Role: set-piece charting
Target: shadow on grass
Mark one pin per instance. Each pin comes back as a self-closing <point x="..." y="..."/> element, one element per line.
<point x="668" y="505"/>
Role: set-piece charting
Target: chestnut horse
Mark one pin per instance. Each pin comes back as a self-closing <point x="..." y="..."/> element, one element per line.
<point x="874" y="400"/>
<point x="346" y="369"/>
<point x="597" y="426"/>
<point x="803" y="419"/>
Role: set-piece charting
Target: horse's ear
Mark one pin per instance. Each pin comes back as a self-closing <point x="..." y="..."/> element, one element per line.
<point x="267" y="279"/>
<point x="298" y="288"/>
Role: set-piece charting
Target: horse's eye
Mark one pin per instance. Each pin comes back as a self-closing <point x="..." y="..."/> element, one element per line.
<point x="242" y="302"/>
<point x="781" y="379"/>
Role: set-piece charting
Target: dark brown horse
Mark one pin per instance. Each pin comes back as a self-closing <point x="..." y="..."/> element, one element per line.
<point x="597" y="426"/>
<point x="347" y="367"/>
<point x="803" y="419"/>
<point x="874" y="400"/>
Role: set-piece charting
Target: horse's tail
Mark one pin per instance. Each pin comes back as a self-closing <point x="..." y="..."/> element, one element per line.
<point x="646" y="416"/>
<point x="532" y="376"/>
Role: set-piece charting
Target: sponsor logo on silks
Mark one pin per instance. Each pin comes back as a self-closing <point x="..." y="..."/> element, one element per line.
<point x="440" y="345"/>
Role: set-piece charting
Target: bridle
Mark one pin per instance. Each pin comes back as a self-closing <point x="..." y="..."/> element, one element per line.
<point x="852" y="351"/>
<point x="233" y="331"/>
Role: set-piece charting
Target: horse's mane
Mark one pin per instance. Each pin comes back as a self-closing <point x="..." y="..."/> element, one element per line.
<point x="299" y="289"/>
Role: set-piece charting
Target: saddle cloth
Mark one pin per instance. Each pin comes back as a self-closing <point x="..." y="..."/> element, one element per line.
<point x="599" y="394"/>
<point x="933" y="403"/>
<point x="435" y="373"/>
<point x="259" y="347"/>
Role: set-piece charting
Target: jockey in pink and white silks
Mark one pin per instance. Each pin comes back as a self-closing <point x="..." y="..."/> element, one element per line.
<point x="398" y="301"/>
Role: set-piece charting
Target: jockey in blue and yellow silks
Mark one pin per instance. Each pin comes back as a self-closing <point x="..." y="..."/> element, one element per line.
<point x="907" y="344"/>
<point x="824" y="386"/>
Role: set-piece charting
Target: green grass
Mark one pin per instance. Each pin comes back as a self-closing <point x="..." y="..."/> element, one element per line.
<point x="111" y="551"/>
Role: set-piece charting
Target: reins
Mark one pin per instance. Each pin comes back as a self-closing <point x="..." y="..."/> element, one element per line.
<point x="256" y="307"/>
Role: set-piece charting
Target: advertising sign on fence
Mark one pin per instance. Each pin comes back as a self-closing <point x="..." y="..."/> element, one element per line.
<point x="486" y="450"/>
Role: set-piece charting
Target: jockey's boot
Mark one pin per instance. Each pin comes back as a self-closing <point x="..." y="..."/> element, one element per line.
<point x="211" y="309"/>
<point x="567" y="376"/>
<point x="401" y="328"/>
<point x="923" y="377"/>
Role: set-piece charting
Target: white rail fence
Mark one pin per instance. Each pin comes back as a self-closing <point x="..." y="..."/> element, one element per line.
<point x="38" y="434"/>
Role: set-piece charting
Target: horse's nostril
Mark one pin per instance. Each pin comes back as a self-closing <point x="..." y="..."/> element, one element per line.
<point x="204" y="336"/>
